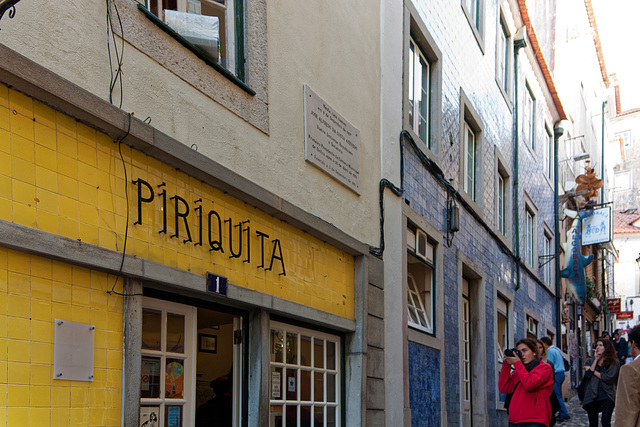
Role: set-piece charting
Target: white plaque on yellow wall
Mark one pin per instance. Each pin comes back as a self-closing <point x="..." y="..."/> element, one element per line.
<point x="331" y="143"/>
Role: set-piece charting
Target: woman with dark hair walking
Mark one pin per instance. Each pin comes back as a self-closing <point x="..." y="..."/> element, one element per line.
<point x="531" y="385"/>
<point x="601" y="372"/>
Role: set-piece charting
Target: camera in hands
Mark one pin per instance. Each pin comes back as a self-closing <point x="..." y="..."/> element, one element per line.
<point x="511" y="352"/>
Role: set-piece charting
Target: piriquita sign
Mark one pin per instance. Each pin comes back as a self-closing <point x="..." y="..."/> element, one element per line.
<point x="228" y="236"/>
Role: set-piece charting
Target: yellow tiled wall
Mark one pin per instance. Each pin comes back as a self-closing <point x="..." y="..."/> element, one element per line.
<point x="34" y="291"/>
<point x="65" y="178"/>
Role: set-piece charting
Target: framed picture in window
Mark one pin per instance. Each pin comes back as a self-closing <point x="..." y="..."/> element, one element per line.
<point x="207" y="343"/>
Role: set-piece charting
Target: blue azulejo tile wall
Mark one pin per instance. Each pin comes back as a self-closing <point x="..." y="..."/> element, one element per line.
<point x="424" y="386"/>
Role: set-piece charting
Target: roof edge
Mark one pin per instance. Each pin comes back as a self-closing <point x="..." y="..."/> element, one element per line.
<point x="542" y="62"/>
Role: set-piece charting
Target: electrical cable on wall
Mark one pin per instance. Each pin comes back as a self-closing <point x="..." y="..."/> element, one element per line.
<point x="126" y="231"/>
<point x="116" y="78"/>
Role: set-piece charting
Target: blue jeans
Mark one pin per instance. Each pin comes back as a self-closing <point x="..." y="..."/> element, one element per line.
<point x="557" y="389"/>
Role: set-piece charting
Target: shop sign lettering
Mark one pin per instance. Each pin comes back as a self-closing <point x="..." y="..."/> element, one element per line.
<point x="218" y="234"/>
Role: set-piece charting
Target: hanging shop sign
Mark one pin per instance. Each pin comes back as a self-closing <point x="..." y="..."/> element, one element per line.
<point x="597" y="226"/>
<point x="228" y="236"/>
<point x="613" y="304"/>
<point x="624" y="315"/>
<point x="575" y="262"/>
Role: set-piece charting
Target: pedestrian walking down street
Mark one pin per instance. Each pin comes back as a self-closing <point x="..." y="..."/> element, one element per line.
<point x="530" y="385"/>
<point x="554" y="356"/>
<point x="620" y="344"/>
<point x="601" y="374"/>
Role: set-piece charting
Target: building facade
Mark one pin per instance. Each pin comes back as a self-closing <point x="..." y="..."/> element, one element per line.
<point x="475" y="222"/>
<point x="187" y="214"/>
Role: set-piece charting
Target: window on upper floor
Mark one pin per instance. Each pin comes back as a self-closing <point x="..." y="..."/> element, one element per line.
<point x="529" y="237"/>
<point x="470" y="152"/>
<point x="212" y="26"/>
<point x="470" y="161"/>
<point x="528" y="117"/>
<point x="622" y="181"/>
<point x="548" y="154"/>
<point x="548" y="268"/>
<point x="420" y="280"/>
<point x="422" y="85"/>
<point x="474" y="11"/>
<point x="501" y="203"/>
<point x="532" y="327"/>
<point x="419" y="90"/>
<point x="502" y="195"/>
<point x="503" y="56"/>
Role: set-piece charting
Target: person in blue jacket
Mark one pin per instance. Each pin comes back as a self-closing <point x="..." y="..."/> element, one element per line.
<point x="554" y="355"/>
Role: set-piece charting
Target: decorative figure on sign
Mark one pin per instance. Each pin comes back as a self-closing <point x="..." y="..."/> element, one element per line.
<point x="575" y="262"/>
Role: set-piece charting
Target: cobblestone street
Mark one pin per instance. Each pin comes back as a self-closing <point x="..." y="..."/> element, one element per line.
<point x="578" y="414"/>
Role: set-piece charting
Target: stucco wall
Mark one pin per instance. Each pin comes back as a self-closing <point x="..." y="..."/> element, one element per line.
<point x="304" y="44"/>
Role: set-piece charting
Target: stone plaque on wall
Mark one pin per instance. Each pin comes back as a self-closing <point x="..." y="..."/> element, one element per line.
<point x="331" y="143"/>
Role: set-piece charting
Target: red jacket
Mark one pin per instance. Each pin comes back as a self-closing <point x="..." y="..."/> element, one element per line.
<point x="530" y="401"/>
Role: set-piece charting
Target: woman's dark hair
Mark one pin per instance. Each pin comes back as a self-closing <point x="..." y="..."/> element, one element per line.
<point x="609" y="356"/>
<point x="529" y="343"/>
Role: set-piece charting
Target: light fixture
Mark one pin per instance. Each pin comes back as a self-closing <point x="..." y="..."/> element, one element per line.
<point x="638" y="260"/>
<point x="577" y="158"/>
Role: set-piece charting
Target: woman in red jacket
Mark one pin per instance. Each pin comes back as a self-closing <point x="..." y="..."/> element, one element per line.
<point x="531" y="383"/>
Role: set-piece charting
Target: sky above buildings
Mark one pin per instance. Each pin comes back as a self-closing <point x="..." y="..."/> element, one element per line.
<point x="618" y="27"/>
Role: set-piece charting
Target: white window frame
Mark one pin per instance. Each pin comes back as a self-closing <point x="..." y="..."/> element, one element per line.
<point x="548" y="154"/>
<point x="470" y="161"/>
<point x="465" y="340"/>
<point x="189" y="356"/>
<point x="529" y="117"/>
<point x="419" y="66"/>
<point x="503" y="55"/>
<point x="285" y="328"/>
<point x="194" y="6"/>
<point x="532" y="326"/>
<point x="529" y="237"/>
<point x="547" y="268"/>
<point x="502" y="195"/>
<point x="623" y="180"/>
<point x="420" y="304"/>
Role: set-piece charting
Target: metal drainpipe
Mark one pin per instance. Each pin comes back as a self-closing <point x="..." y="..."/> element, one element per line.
<point x="604" y="285"/>
<point x="517" y="45"/>
<point x="557" y="133"/>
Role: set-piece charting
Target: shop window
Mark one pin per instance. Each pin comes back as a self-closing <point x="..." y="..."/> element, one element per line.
<point x="191" y="364"/>
<point x="209" y="25"/>
<point x="420" y="280"/>
<point x="304" y="377"/>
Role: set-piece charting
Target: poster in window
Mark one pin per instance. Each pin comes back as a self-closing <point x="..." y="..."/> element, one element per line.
<point x="150" y="378"/>
<point x="275" y="385"/>
<point x="174" y="379"/>
<point x="149" y="416"/>
<point x="173" y="415"/>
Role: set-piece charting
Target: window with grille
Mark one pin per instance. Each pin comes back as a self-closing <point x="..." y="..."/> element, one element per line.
<point x="304" y="377"/>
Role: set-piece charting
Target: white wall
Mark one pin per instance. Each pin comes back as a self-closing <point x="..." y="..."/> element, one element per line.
<point x="335" y="49"/>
